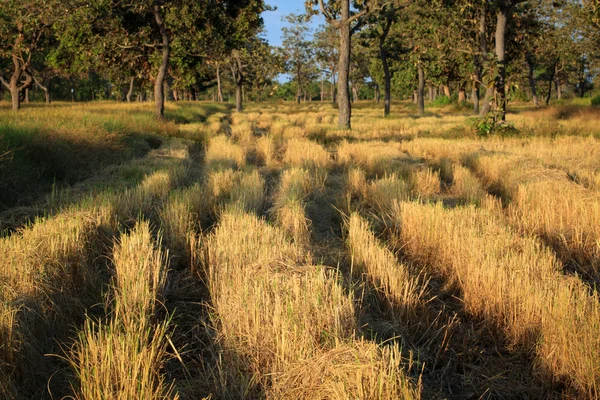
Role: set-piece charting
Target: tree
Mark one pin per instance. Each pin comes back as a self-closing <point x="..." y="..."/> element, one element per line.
<point x="379" y="27"/>
<point x="298" y="49"/>
<point x="338" y="13"/>
<point x="422" y="57"/>
<point x="264" y="65"/>
<point x="240" y="25"/>
<point x="326" y="50"/>
<point x="23" y="28"/>
<point x="155" y="32"/>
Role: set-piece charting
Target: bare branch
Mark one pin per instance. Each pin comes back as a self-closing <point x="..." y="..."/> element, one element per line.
<point x="327" y="14"/>
<point x="28" y="81"/>
<point x="360" y="15"/>
<point x="4" y="82"/>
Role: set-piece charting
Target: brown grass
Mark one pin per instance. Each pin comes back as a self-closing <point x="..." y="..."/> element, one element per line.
<point x="122" y="358"/>
<point x="512" y="282"/>
<point x="546" y="203"/>
<point x="267" y="324"/>
<point x="305" y="153"/>
<point x="391" y="279"/>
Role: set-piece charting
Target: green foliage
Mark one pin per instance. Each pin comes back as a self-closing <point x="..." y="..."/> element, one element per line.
<point x="490" y="125"/>
<point x="596" y="100"/>
<point x="441" y="101"/>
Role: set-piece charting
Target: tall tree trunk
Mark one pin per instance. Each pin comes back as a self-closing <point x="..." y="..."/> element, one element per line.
<point x="421" y="89"/>
<point x="475" y="97"/>
<point x="462" y="95"/>
<point x="14" y="94"/>
<point x="159" y="96"/>
<point x="26" y="95"/>
<point x="387" y="75"/>
<point x="489" y="91"/>
<point x="299" y="83"/>
<point x="447" y="91"/>
<point x="355" y="93"/>
<point x="130" y="91"/>
<point x="377" y="93"/>
<point x="322" y="86"/>
<point x="532" y="86"/>
<point x="238" y="99"/>
<point x="501" y="22"/>
<point x="558" y="89"/>
<point x="430" y="92"/>
<point x="219" y="88"/>
<point x="387" y="88"/>
<point x="479" y="59"/>
<point x="344" y="106"/>
<point x="333" y="96"/>
<point x="551" y="81"/>
<point x="238" y="77"/>
<point x="46" y="89"/>
<point x="582" y="78"/>
<point x="13" y="85"/>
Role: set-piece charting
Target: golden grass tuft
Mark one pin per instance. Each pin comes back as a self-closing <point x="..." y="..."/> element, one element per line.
<point x="288" y="204"/>
<point x="296" y="183"/>
<point x="48" y="253"/>
<point x="243" y="133"/>
<point x="178" y="222"/>
<point x="545" y="202"/>
<point x="360" y="370"/>
<point x="266" y="148"/>
<point x="356" y="183"/>
<point x="465" y="186"/>
<point x="113" y="362"/>
<point x="222" y="154"/>
<point x="245" y="189"/>
<point x="513" y="283"/>
<point x="139" y="276"/>
<point x="123" y="357"/>
<point x="566" y="215"/>
<point x="270" y="328"/>
<point x="391" y="279"/>
<point x="291" y="217"/>
<point x="425" y="183"/>
<point x="373" y="157"/>
<point x="382" y="193"/>
<point x="305" y="153"/>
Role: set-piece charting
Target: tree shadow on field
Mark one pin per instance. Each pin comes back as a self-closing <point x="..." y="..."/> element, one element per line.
<point x="456" y="355"/>
<point x="47" y="324"/>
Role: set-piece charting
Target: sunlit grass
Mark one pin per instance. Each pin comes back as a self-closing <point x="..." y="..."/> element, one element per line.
<point x="436" y="225"/>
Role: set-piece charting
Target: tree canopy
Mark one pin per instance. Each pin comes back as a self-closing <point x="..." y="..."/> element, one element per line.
<point x="486" y="52"/>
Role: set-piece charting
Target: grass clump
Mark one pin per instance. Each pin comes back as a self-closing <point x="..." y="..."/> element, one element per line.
<point x="392" y="280"/>
<point x="275" y="333"/>
<point x="122" y="358"/>
<point x="513" y="283"/>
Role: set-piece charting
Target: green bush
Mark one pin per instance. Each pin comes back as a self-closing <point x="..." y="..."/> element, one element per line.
<point x="441" y="101"/>
<point x="596" y="100"/>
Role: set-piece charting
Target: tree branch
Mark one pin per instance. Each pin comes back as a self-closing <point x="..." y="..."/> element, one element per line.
<point x="326" y="13"/>
<point x="4" y="82"/>
<point x="360" y="15"/>
<point x="28" y="81"/>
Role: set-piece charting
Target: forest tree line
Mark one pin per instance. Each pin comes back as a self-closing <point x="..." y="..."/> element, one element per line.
<point x="480" y="53"/>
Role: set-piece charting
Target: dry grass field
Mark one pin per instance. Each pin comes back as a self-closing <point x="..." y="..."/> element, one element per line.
<point x="267" y="254"/>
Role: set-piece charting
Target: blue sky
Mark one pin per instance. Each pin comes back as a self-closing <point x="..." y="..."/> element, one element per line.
<point x="273" y="23"/>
